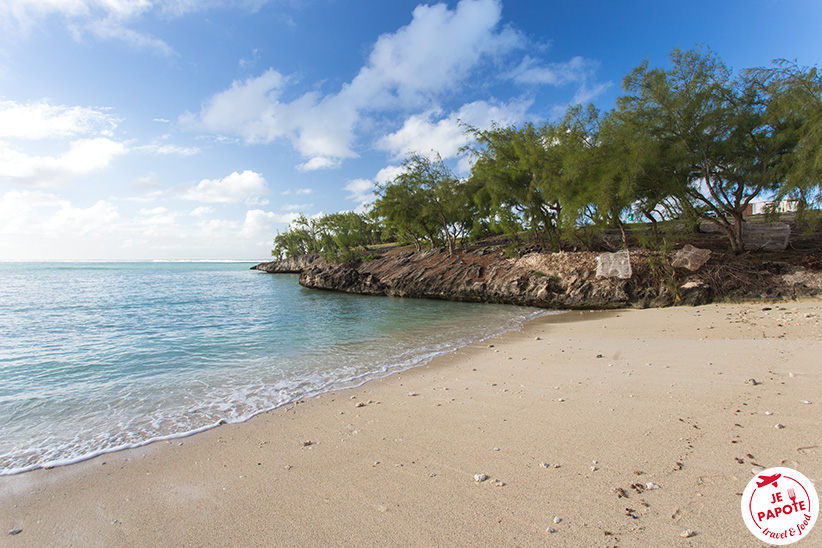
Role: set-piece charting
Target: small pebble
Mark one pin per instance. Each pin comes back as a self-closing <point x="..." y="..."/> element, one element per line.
<point x="412" y="394"/>
<point x="499" y="483"/>
<point x="792" y="375"/>
<point x="806" y="402"/>
<point x="544" y="464"/>
<point x="479" y="478"/>
<point x="752" y="382"/>
<point x="560" y="399"/>
<point x="557" y="519"/>
<point x="769" y="413"/>
<point x="360" y="404"/>
<point x="537" y="338"/>
<point x="550" y="530"/>
<point x="779" y="426"/>
<point x="687" y="533"/>
<point x="307" y="443"/>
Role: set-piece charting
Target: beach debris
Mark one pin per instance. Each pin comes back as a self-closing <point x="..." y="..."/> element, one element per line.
<point x="496" y="449"/>
<point x="756" y="470"/>
<point x="779" y="426"/>
<point x="638" y="487"/>
<point x="499" y="483"/>
<point x="769" y="413"/>
<point x="651" y="486"/>
<point x="557" y="519"/>
<point x="752" y="382"/>
<point x="479" y="478"/>
<point x="690" y="257"/>
<point x="614" y="265"/>
<point x="550" y="530"/>
<point x="792" y="375"/>
<point x="490" y="346"/>
<point x="306" y="443"/>
<point x="600" y="356"/>
<point x="687" y="533"/>
<point x="537" y="338"/>
<point x="14" y="532"/>
<point x="620" y="492"/>
<point x="806" y="402"/>
<point x="432" y="475"/>
<point x="413" y="394"/>
<point x="544" y="464"/>
<point x="360" y="404"/>
<point x="560" y="399"/>
<point x="631" y="513"/>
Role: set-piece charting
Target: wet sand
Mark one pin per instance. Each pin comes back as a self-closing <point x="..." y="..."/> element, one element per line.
<point x="567" y="422"/>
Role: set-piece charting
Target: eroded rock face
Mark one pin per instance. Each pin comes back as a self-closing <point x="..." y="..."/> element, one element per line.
<point x="547" y="280"/>
<point x="559" y="280"/>
<point x="291" y="265"/>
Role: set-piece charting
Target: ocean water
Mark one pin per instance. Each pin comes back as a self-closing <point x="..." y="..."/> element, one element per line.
<point x="96" y="357"/>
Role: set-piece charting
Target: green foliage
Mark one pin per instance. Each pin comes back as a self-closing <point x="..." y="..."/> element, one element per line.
<point x="338" y="237"/>
<point x="427" y="202"/>
<point x="690" y="142"/>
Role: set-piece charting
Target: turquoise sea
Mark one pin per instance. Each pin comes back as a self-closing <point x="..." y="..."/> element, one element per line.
<point x="96" y="357"/>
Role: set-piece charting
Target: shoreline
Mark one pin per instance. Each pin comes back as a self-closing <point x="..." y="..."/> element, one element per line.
<point x="344" y="384"/>
<point x="659" y="391"/>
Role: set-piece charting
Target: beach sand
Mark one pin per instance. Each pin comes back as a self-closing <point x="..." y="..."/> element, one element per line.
<point x="560" y="416"/>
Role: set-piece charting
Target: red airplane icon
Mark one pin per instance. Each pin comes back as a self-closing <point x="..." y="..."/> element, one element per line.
<point x="767" y="480"/>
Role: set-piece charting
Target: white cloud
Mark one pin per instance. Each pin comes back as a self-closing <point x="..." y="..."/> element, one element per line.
<point x="84" y="156"/>
<point x="319" y="162"/>
<point x="297" y="207"/>
<point x="260" y="224"/>
<point x="105" y="19"/>
<point x="422" y="134"/>
<point x="434" y="54"/>
<point x="25" y="212"/>
<point x="297" y="192"/>
<point x="360" y="191"/>
<point x="236" y="187"/>
<point x="201" y="211"/>
<point x="41" y="120"/>
<point x="530" y="71"/>
<point x="168" y="149"/>
<point x="388" y="174"/>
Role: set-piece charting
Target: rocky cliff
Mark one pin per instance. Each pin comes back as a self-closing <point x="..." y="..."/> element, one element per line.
<point x="551" y="280"/>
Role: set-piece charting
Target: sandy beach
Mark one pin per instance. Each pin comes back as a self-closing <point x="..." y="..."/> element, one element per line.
<point x="623" y="428"/>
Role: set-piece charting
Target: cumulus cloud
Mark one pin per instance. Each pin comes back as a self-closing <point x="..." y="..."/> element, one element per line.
<point x="42" y="120"/>
<point x="260" y="224"/>
<point x="319" y="162"/>
<point x="431" y="132"/>
<point x="83" y="157"/>
<point x="360" y="191"/>
<point x="233" y="188"/>
<point x="434" y="54"/>
<point x="25" y="212"/>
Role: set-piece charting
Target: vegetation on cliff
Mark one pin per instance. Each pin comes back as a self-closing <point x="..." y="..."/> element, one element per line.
<point x="692" y="141"/>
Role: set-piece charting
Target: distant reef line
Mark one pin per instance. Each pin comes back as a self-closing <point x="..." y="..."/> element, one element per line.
<point x="563" y="281"/>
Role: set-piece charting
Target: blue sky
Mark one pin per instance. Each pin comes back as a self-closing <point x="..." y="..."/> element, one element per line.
<point x="185" y="129"/>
